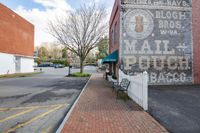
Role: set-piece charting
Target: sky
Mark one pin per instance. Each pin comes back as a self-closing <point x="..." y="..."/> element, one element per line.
<point x="39" y="12"/>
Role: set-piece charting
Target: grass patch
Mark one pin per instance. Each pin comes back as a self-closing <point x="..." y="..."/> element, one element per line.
<point x="17" y="75"/>
<point x="78" y="74"/>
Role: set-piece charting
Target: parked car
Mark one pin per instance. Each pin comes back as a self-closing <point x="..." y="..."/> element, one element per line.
<point x="45" y="64"/>
<point x="58" y="66"/>
<point x="53" y="65"/>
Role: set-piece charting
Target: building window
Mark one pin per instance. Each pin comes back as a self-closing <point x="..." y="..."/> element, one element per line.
<point x="115" y="33"/>
<point x="113" y="36"/>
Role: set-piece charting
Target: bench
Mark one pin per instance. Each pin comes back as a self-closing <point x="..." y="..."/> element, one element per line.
<point x="122" y="86"/>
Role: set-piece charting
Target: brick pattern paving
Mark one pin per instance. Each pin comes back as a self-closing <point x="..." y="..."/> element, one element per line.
<point x="98" y="111"/>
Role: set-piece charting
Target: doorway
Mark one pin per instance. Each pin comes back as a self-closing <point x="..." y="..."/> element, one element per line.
<point x="17" y="64"/>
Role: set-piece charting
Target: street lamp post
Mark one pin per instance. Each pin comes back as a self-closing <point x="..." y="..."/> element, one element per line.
<point x="69" y="70"/>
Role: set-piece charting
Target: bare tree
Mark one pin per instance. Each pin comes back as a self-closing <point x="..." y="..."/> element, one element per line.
<point x="81" y="30"/>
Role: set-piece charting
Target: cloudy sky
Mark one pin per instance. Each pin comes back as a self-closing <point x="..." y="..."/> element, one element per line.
<point x="38" y="12"/>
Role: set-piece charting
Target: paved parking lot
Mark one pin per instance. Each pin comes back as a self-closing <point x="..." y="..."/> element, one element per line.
<point x="176" y="107"/>
<point x="38" y="103"/>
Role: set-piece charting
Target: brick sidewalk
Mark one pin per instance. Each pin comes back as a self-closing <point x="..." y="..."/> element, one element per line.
<point x="98" y="111"/>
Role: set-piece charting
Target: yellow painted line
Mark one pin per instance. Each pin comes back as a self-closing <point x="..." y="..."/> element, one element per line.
<point x="4" y="109"/>
<point x="33" y="119"/>
<point x="16" y="115"/>
<point x="30" y="107"/>
<point x="46" y="130"/>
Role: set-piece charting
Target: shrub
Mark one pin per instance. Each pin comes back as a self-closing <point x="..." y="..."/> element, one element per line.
<point x="37" y="60"/>
<point x="78" y="74"/>
<point x="62" y="62"/>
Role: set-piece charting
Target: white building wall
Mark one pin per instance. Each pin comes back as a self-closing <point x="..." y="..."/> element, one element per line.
<point x="7" y="64"/>
<point x="27" y="65"/>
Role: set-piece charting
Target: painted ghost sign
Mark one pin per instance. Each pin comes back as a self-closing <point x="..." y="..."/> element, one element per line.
<point x="157" y="37"/>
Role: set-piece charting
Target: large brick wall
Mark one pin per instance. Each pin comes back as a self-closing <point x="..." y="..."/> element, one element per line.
<point x="16" y="34"/>
<point x="196" y="40"/>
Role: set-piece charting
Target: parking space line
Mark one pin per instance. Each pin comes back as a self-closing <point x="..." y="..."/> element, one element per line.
<point x="46" y="130"/>
<point x="30" y="107"/>
<point x="4" y="109"/>
<point x="34" y="119"/>
<point x="16" y="115"/>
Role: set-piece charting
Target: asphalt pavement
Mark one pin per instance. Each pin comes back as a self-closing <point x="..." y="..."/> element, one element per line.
<point x="39" y="103"/>
<point x="177" y="108"/>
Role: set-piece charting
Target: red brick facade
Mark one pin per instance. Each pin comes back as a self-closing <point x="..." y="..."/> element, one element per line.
<point x="115" y="27"/>
<point x="16" y="34"/>
<point x="114" y="34"/>
<point x="196" y="40"/>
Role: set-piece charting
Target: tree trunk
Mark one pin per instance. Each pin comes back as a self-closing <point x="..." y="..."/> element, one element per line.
<point x="81" y="66"/>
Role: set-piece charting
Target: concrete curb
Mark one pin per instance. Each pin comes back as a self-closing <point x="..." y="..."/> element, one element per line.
<point x="71" y="109"/>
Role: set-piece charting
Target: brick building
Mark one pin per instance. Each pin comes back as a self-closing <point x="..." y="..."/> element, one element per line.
<point x="16" y="43"/>
<point x="160" y="37"/>
<point x="196" y="40"/>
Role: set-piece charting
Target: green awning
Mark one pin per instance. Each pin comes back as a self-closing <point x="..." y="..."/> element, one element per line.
<point x="111" y="58"/>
